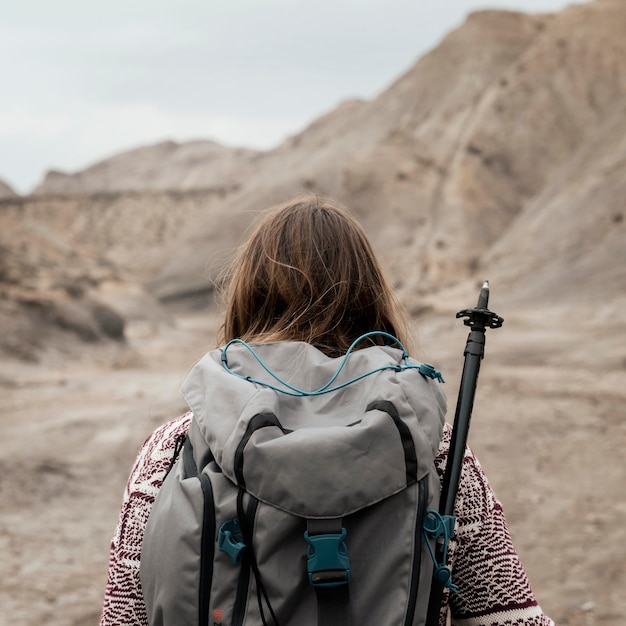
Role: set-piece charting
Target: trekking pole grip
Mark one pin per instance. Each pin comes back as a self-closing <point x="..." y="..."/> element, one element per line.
<point x="479" y="319"/>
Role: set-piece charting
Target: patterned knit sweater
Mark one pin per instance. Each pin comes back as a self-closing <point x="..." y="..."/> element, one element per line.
<point x="493" y="586"/>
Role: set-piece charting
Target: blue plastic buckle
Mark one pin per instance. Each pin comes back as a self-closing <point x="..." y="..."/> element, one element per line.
<point x="229" y="540"/>
<point x="328" y="564"/>
<point x="427" y="369"/>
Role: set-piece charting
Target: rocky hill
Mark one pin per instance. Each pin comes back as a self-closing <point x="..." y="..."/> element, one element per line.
<point x="6" y="191"/>
<point x="500" y="153"/>
<point x="167" y="165"/>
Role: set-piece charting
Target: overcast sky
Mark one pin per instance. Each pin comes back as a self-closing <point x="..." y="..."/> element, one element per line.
<point x="84" y="80"/>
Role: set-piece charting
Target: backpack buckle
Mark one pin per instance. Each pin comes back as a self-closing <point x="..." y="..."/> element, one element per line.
<point x="328" y="564"/>
<point x="229" y="540"/>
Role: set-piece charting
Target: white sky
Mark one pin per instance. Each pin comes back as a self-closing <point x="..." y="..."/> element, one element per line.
<point x="84" y="80"/>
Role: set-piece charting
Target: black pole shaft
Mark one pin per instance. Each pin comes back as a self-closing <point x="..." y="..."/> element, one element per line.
<point x="479" y="319"/>
<point x="474" y="351"/>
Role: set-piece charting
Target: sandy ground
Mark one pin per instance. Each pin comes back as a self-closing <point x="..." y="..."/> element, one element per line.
<point x="548" y="428"/>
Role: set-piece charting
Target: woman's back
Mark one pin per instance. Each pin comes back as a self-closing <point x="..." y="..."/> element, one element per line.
<point x="304" y="287"/>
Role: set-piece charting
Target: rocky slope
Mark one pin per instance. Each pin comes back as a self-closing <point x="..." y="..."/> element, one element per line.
<point x="569" y="242"/>
<point x="47" y="291"/>
<point x="167" y="165"/>
<point x="497" y="154"/>
<point x="6" y="191"/>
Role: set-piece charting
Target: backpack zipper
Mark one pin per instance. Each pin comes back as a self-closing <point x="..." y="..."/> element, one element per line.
<point x="179" y="442"/>
<point x="422" y="502"/>
<point x="243" y="584"/>
<point x="247" y="521"/>
<point x="207" y="541"/>
<point x="241" y="599"/>
<point x="207" y="551"/>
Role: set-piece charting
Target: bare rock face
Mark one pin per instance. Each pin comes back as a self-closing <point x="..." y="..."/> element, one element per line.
<point x="498" y="135"/>
<point x="57" y="292"/>
<point x="42" y="304"/>
<point x="569" y="243"/>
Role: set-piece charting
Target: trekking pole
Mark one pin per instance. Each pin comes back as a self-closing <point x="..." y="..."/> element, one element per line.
<point x="479" y="319"/>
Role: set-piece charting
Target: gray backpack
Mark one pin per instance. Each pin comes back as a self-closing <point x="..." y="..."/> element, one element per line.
<point x="300" y="494"/>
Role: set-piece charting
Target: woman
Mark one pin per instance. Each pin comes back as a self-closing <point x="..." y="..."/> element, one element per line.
<point x="308" y="274"/>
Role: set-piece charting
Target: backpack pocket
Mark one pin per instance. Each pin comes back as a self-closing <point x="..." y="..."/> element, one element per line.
<point x="177" y="553"/>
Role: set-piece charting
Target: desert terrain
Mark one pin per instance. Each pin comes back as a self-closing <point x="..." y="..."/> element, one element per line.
<point x="500" y="155"/>
<point x="547" y="426"/>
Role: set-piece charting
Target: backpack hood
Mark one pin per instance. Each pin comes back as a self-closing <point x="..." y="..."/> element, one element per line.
<point x="319" y="456"/>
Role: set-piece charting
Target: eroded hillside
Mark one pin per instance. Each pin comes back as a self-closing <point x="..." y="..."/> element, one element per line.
<point x="445" y="168"/>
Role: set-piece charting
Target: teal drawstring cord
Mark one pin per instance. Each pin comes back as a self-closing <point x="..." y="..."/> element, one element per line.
<point x="441" y="528"/>
<point x="290" y="390"/>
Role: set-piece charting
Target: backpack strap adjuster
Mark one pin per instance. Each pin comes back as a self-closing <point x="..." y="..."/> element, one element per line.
<point x="328" y="564"/>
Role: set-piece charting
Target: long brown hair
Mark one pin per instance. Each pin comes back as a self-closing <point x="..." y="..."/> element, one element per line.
<point x="308" y="273"/>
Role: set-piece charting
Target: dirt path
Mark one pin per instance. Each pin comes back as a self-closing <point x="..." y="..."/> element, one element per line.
<point x="548" y="427"/>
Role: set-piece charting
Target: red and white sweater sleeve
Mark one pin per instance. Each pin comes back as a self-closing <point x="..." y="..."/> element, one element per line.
<point x="493" y="587"/>
<point x="123" y="600"/>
